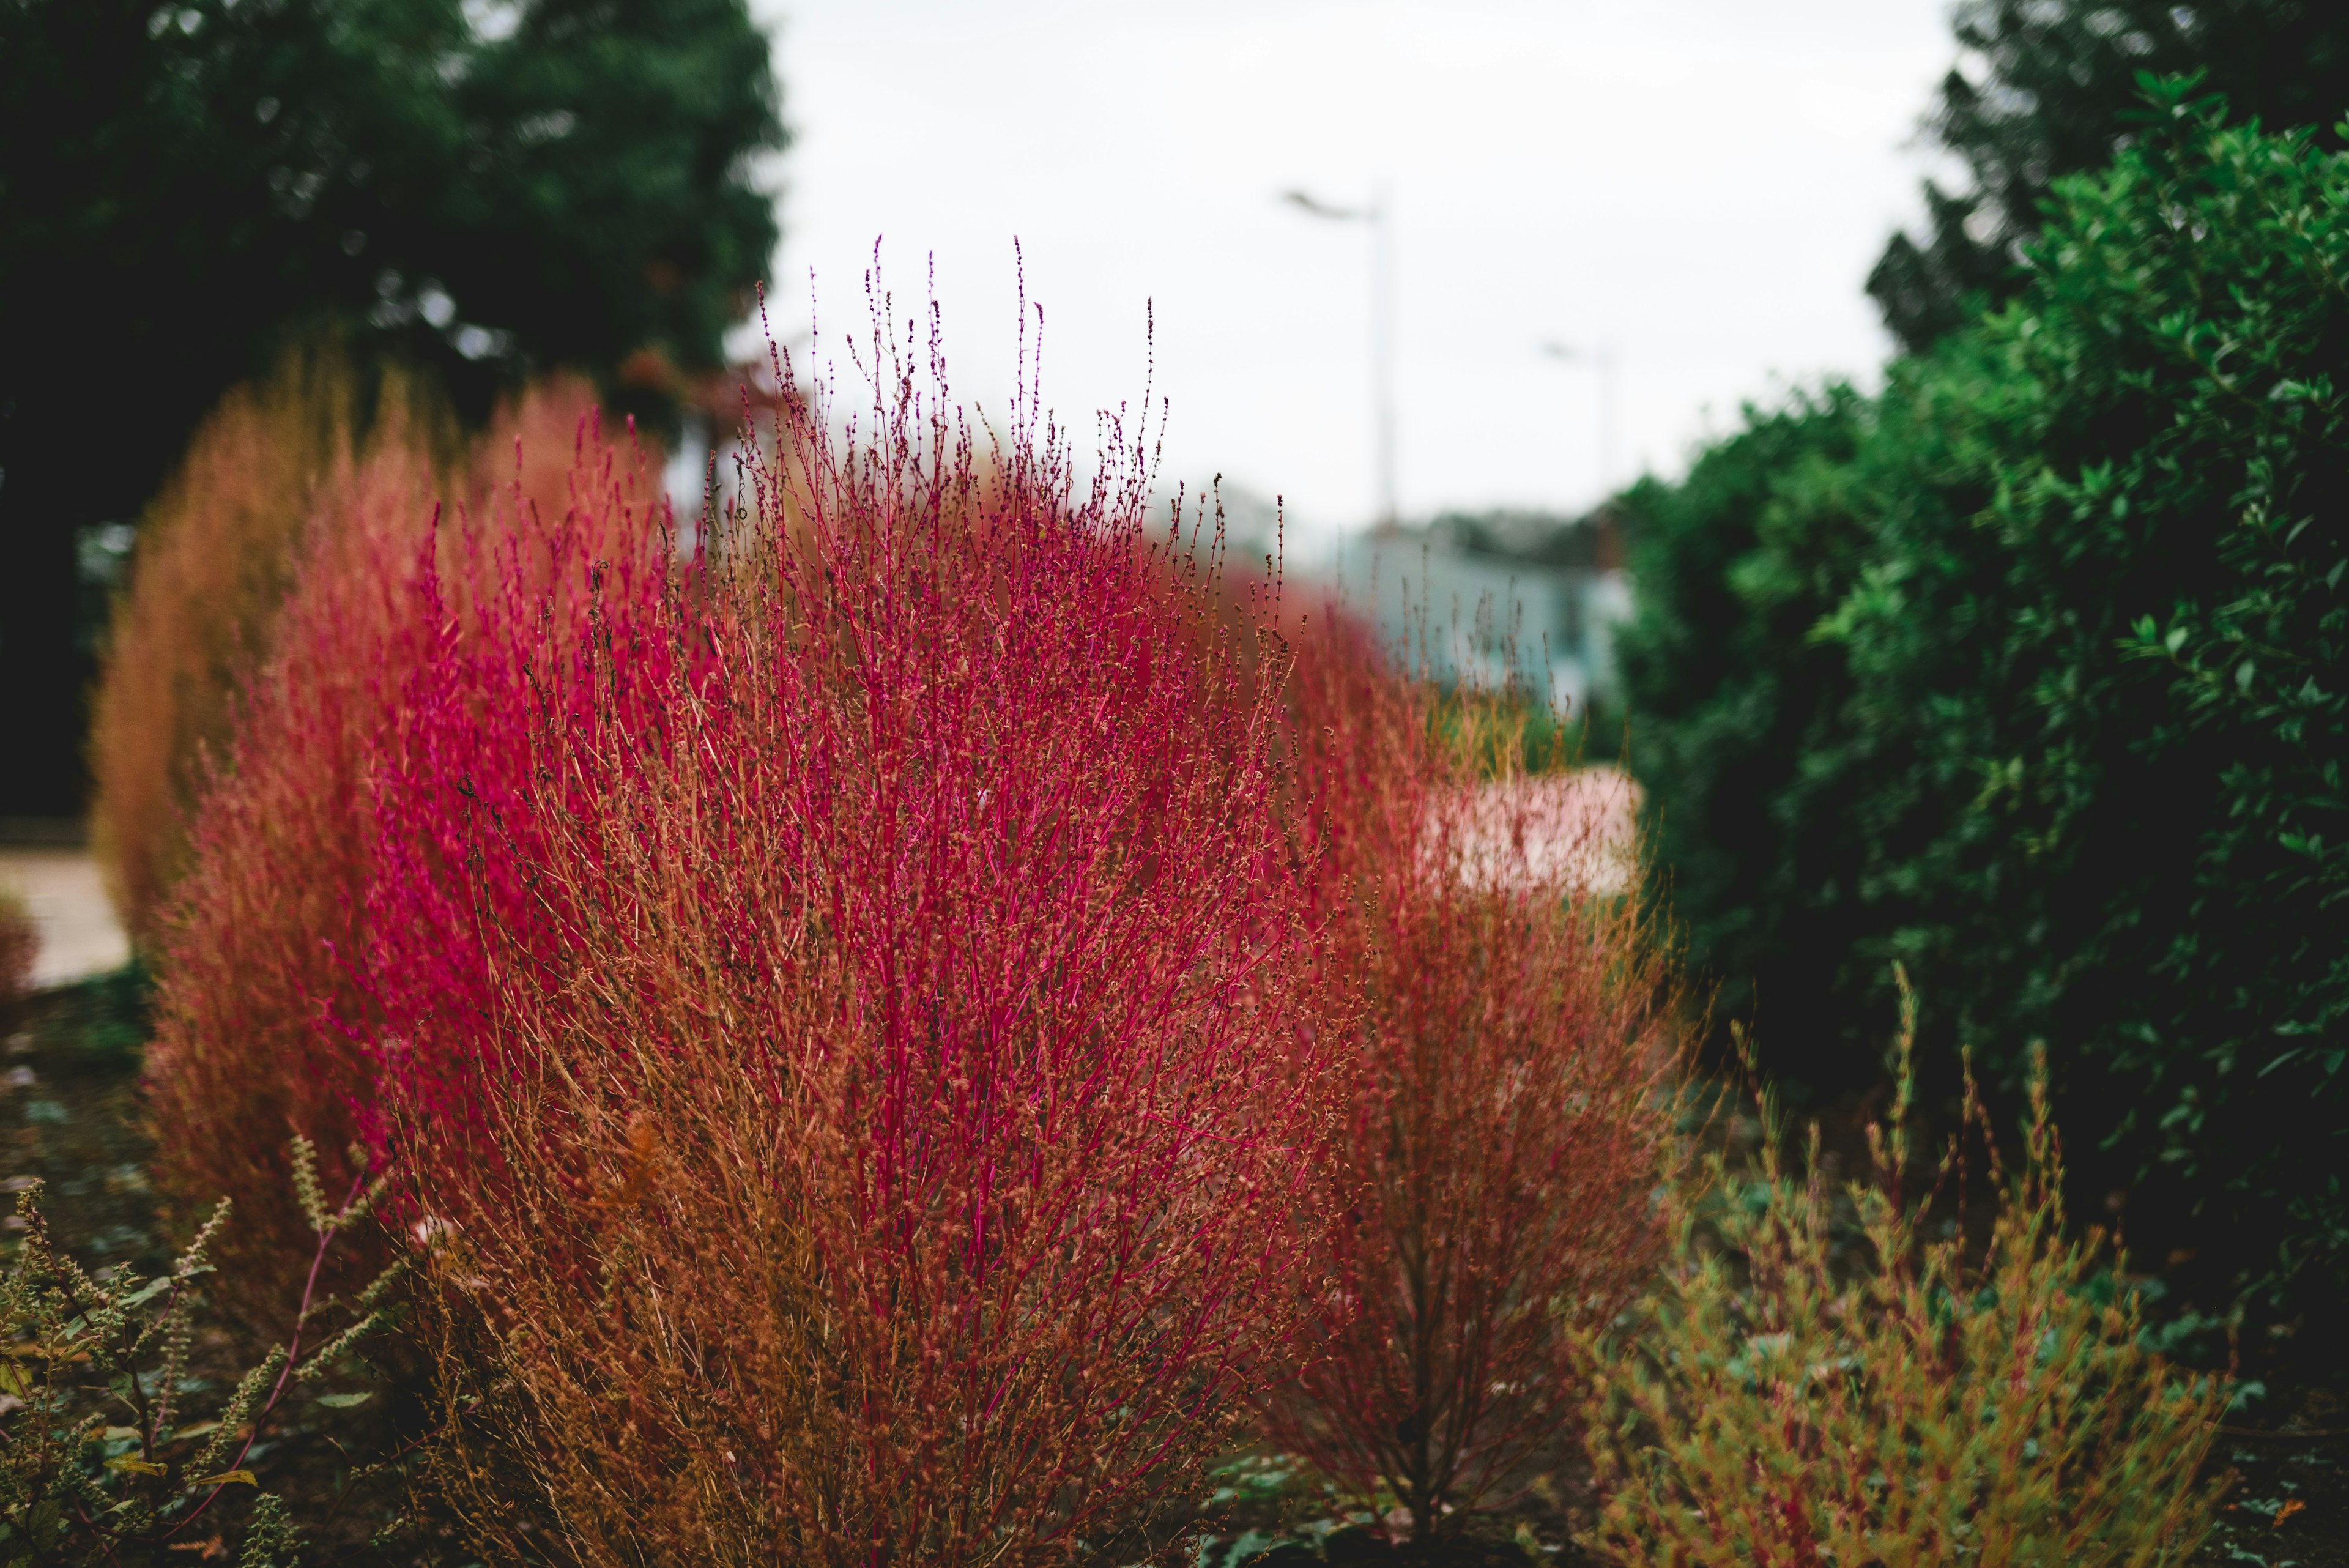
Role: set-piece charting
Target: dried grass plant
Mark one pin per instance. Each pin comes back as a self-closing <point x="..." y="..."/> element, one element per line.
<point x="20" y="948"/>
<point x="1835" y="1374"/>
<point x="218" y="553"/>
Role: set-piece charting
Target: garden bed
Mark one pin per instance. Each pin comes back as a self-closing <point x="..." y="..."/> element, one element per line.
<point x="70" y="1116"/>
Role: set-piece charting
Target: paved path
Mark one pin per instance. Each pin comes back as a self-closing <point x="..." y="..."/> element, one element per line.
<point x="1576" y="830"/>
<point x="61" y="887"/>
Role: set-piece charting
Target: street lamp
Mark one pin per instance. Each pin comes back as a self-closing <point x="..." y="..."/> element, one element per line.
<point x="1376" y="218"/>
<point x="1602" y="359"/>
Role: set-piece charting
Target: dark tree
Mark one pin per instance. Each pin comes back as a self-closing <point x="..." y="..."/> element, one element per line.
<point x="2047" y="88"/>
<point x="482" y="186"/>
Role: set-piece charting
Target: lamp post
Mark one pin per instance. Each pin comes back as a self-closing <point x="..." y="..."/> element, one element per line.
<point x="1602" y="358"/>
<point x="1376" y="218"/>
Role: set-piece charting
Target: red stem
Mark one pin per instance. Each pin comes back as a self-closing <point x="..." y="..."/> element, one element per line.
<point x="293" y="1352"/>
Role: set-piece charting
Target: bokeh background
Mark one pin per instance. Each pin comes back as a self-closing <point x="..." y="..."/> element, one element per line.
<point x="1700" y="188"/>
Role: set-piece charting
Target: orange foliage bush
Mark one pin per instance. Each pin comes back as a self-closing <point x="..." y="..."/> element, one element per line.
<point x="843" y="1007"/>
<point x="1507" y="1077"/>
<point x="254" y="990"/>
<point x="217" y="553"/>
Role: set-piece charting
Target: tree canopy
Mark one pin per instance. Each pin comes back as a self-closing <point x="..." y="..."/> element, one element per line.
<point x="483" y="187"/>
<point x="2048" y="87"/>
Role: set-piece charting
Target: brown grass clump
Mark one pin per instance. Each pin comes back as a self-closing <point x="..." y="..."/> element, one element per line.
<point x="250" y="963"/>
<point x="1507" y="1084"/>
<point x="217" y="553"/>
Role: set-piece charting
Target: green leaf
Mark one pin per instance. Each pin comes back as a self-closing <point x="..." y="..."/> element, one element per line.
<point x="137" y="1466"/>
<point x="147" y="1292"/>
<point x="344" y="1401"/>
<point x="245" y="1478"/>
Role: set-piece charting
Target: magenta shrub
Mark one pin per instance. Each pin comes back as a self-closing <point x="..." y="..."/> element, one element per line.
<point x="836" y="998"/>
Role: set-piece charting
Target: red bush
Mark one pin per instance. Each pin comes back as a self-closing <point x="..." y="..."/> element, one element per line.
<point x="1505" y="1075"/>
<point x="218" y="551"/>
<point x="836" y="1004"/>
<point x="253" y="952"/>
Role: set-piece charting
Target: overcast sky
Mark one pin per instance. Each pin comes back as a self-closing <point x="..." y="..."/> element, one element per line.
<point x="1701" y="185"/>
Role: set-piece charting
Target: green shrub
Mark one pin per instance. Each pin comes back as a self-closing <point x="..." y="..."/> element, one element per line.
<point x="2045" y="93"/>
<point x="1738" y="717"/>
<point x="2106" y="604"/>
<point x="1840" y="1375"/>
<point x="100" y="1460"/>
<point x="2064" y="728"/>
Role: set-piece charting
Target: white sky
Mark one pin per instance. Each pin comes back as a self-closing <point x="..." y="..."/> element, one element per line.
<point x="1702" y="184"/>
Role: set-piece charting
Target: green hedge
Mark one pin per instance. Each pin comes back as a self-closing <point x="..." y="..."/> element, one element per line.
<point x="2031" y="673"/>
<point x="1738" y="719"/>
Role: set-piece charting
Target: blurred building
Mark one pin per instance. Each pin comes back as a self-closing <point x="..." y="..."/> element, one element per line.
<point x="1498" y="597"/>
